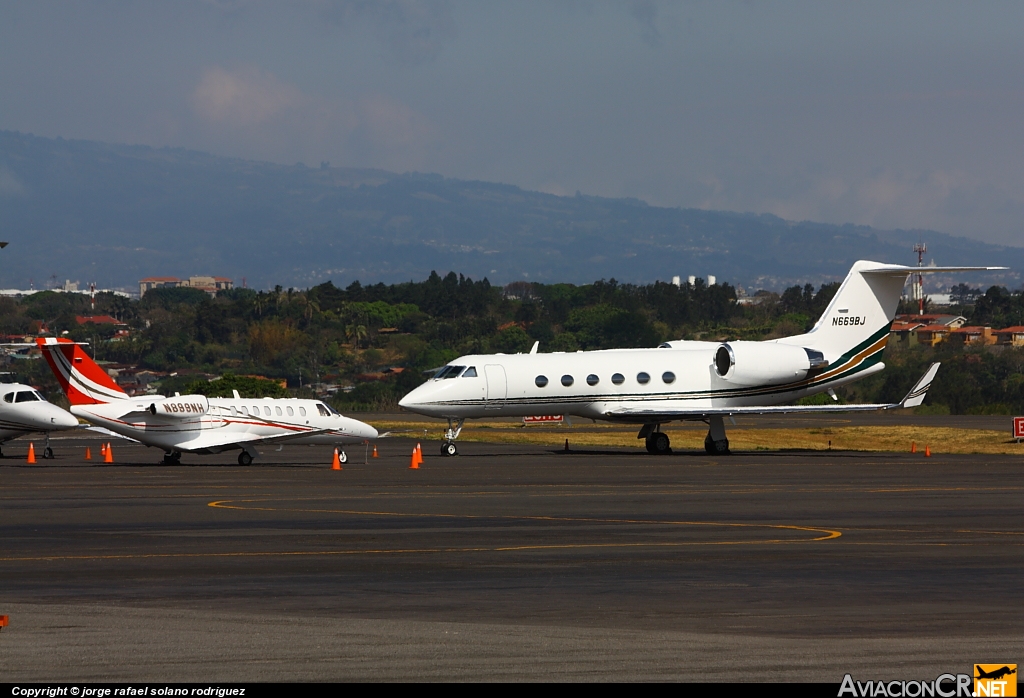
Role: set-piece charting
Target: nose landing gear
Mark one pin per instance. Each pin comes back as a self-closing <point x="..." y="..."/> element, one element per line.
<point x="451" y="433"/>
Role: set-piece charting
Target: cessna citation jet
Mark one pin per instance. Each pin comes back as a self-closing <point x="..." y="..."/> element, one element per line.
<point x="24" y="411"/>
<point x="194" y="423"/>
<point x="686" y="380"/>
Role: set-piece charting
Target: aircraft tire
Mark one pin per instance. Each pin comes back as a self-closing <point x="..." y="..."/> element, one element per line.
<point x="716" y="448"/>
<point x="172" y="458"/>
<point x="448" y="448"/>
<point x="659" y="444"/>
<point x="245" y="459"/>
<point x="48" y="453"/>
<point x="342" y="457"/>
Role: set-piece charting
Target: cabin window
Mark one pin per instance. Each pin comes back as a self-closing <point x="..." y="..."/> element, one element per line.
<point x="323" y="409"/>
<point x="9" y="397"/>
<point x="618" y="378"/>
<point x="302" y="411"/>
<point x="566" y="381"/>
<point x="255" y="411"/>
<point x="541" y="381"/>
<point x="668" y="377"/>
<point x="266" y="410"/>
<point x="643" y="378"/>
<point x="26" y="396"/>
<point x="470" y="372"/>
<point x="593" y="380"/>
<point x="234" y="412"/>
<point x="278" y="411"/>
<point x="291" y="412"/>
<point x="245" y="410"/>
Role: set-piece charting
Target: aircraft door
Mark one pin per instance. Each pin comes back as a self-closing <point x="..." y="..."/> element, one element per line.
<point x="497" y="386"/>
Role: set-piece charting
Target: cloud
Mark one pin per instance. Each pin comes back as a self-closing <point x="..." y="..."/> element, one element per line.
<point x="10" y="185"/>
<point x="645" y="12"/>
<point x="415" y="31"/>
<point x="252" y="111"/>
<point x="243" y="97"/>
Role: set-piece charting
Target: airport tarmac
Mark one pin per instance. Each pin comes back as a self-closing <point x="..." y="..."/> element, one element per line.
<point x="508" y="562"/>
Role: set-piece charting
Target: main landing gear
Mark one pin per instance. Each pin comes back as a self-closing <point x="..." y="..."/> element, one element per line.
<point x="172" y="458"/>
<point x="454" y="429"/>
<point x="47" y="451"/>
<point x="656" y="441"/>
<point x="716" y="443"/>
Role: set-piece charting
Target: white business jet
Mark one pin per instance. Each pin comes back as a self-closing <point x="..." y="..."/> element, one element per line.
<point x="686" y="380"/>
<point x="194" y="423"/>
<point x="24" y="411"/>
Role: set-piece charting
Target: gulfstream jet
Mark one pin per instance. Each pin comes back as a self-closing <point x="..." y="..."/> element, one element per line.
<point x="686" y="380"/>
<point x="194" y="423"/>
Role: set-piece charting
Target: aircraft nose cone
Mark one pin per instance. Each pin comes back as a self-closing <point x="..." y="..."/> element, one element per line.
<point x="65" y="419"/>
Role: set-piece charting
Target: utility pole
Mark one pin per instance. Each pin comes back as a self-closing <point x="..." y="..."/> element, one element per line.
<point x="920" y="248"/>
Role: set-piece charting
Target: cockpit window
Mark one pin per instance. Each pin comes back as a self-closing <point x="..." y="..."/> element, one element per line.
<point x="470" y="372"/>
<point x="324" y="412"/>
<point x="9" y="397"/>
<point x="27" y="396"/>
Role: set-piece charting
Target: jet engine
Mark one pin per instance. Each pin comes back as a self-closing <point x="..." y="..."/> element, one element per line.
<point x="765" y="363"/>
<point x="181" y="406"/>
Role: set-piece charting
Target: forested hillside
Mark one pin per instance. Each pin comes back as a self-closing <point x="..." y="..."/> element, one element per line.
<point x="113" y="214"/>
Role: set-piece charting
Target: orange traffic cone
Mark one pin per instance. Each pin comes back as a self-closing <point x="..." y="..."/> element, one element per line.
<point x="103" y="450"/>
<point x="414" y="464"/>
<point x="108" y="455"/>
<point x="88" y="453"/>
<point x="336" y="463"/>
<point x="913" y="447"/>
<point x="375" y="452"/>
<point x="31" y="453"/>
<point x="927" y="451"/>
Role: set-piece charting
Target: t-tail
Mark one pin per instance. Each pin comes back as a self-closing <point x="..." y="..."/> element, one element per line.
<point x="854" y="328"/>
<point x="81" y="379"/>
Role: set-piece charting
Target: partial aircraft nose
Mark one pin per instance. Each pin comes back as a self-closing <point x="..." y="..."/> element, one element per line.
<point x="360" y="430"/>
<point x="414" y="398"/>
<point x="50" y="417"/>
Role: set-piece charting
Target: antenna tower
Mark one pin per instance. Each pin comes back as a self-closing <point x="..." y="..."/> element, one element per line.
<point x="920" y="248"/>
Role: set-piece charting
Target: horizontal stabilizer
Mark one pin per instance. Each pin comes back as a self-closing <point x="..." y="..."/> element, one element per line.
<point x="899" y="268"/>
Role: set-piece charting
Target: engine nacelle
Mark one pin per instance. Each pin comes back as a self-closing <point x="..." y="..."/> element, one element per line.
<point x="181" y="407"/>
<point x="765" y="363"/>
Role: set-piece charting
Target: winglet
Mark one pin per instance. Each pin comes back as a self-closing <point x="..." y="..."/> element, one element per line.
<point x="535" y="345"/>
<point x="916" y="395"/>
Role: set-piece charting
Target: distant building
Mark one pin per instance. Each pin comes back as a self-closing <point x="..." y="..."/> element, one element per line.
<point x="210" y="284"/>
<point x="1011" y="336"/>
<point x="927" y="329"/>
<point x="973" y="335"/>
<point x="97" y="320"/>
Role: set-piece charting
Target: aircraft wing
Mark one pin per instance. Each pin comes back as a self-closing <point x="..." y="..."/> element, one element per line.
<point x="207" y="441"/>
<point x="107" y="432"/>
<point x="914" y="398"/>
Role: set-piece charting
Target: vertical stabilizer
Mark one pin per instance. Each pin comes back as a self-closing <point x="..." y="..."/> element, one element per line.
<point x="80" y="378"/>
<point x="857" y="321"/>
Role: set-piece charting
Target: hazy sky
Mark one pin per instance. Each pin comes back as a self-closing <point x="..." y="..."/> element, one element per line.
<point x="890" y="114"/>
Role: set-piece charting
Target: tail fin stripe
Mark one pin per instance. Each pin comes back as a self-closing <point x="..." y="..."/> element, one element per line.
<point x="79" y="381"/>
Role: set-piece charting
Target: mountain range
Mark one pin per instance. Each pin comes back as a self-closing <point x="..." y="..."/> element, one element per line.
<point x="112" y="214"/>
